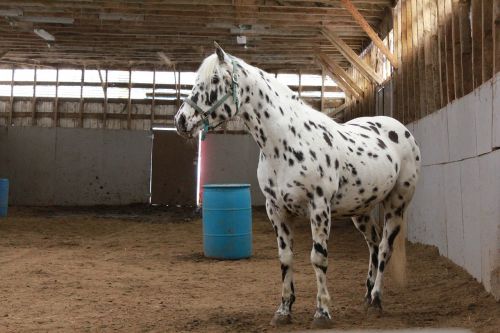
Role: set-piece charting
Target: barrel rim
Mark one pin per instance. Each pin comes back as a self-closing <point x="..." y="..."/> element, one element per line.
<point x="226" y="185"/>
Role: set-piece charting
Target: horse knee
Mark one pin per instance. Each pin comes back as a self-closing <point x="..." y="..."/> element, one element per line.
<point x="319" y="258"/>
<point x="286" y="257"/>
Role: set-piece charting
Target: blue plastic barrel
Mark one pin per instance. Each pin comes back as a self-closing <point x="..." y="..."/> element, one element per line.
<point x="4" y="196"/>
<point x="227" y="221"/>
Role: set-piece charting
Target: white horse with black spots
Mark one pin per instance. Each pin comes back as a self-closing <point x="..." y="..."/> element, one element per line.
<point x="311" y="166"/>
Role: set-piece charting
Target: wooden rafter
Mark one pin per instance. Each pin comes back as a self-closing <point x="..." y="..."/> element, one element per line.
<point x="370" y="32"/>
<point x="121" y="34"/>
<point x="351" y="56"/>
<point x="345" y="87"/>
<point x="340" y="74"/>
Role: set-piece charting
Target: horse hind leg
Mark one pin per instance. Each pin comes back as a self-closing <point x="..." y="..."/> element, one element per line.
<point x="368" y="227"/>
<point x="395" y="206"/>
<point x="320" y="228"/>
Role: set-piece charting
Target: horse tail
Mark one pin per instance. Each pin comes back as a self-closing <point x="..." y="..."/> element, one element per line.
<point x="397" y="266"/>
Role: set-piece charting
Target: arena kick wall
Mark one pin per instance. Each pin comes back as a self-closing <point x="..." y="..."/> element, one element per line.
<point x="457" y="202"/>
<point x="71" y="166"/>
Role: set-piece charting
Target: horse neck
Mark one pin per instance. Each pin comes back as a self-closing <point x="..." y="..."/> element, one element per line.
<point x="268" y="109"/>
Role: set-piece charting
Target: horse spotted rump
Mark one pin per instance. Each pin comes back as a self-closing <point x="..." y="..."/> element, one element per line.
<point x="313" y="167"/>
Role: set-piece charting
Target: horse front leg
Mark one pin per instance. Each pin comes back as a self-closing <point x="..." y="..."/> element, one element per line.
<point x="320" y="227"/>
<point x="284" y="238"/>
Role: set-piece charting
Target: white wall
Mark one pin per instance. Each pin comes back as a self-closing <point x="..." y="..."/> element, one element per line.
<point x="457" y="202"/>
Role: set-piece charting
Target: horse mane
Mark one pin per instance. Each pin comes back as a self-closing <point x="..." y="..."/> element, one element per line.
<point x="210" y="67"/>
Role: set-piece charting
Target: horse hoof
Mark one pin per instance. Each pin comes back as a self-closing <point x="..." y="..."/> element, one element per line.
<point x="377" y="303"/>
<point x="322" y="323"/>
<point x="281" y="319"/>
<point x="367" y="303"/>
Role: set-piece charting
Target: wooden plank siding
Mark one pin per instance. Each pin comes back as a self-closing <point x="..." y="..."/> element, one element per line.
<point x="443" y="49"/>
<point x="446" y="49"/>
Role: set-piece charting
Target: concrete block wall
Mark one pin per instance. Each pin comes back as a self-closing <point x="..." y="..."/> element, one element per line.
<point x="70" y="166"/>
<point x="456" y="206"/>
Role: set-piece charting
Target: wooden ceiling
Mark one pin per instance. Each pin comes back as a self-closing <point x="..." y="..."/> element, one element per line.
<point x="282" y="35"/>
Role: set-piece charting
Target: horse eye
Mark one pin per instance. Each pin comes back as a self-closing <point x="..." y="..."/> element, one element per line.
<point x="215" y="80"/>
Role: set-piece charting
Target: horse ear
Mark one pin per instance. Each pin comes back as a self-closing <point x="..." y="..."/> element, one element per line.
<point x="220" y="52"/>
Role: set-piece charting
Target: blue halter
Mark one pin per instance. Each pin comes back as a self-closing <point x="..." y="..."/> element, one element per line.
<point x="205" y="114"/>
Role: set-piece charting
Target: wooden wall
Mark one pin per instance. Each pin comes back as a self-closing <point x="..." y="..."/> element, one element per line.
<point x="118" y="113"/>
<point x="445" y="49"/>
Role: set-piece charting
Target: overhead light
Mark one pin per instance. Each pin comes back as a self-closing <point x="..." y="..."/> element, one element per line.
<point x="44" y="34"/>
<point x="120" y="17"/>
<point x="48" y="19"/>
<point x="11" y="12"/>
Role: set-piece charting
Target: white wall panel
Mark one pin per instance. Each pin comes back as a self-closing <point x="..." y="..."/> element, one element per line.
<point x="462" y="128"/>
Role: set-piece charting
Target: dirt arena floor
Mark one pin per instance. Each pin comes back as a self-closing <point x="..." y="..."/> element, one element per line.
<point x="142" y="270"/>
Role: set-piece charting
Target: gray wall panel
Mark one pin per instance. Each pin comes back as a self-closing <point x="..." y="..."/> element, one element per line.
<point x="232" y="158"/>
<point x="48" y="166"/>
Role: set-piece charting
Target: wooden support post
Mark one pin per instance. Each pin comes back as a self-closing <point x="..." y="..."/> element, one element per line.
<point x="104" y="85"/>
<point x="429" y="92"/>
<point x="477" y="42"/>
<point x="450" y="68"/>
<point x="421" y="27"/>
<point x="434" y="43"/>
<point x="411" y="112"/>
<point x="487" y="40"/>
<point x="129" y="104"/>
<point x="406" y="69"/>
<point x="496" y="36"/>
<point x="153" y="100"/>
<point x="300" y="83"/>
<point x="11" y="101"/>
<point x="413" y="47"/>
<point x="178" y="89"/>
<point x="370" y="32"/>
<point x="457" y="51"/>
<point x="322" y="108"/>
<point x="442" y="53"/>
<point x="55" y="120"/>
<point x="396" y="75"/>
<point x="466" y="45"/>
<point x="33" y="101"/>
<point x="351" y="56"/>
<point x="82" y="103"/>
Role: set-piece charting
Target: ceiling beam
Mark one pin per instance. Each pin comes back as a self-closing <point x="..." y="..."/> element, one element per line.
<point x="348" y="91"/>
<point x="370" y="32"/>
<point x="352" y="57"/>
<point x="340" y="74"/>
